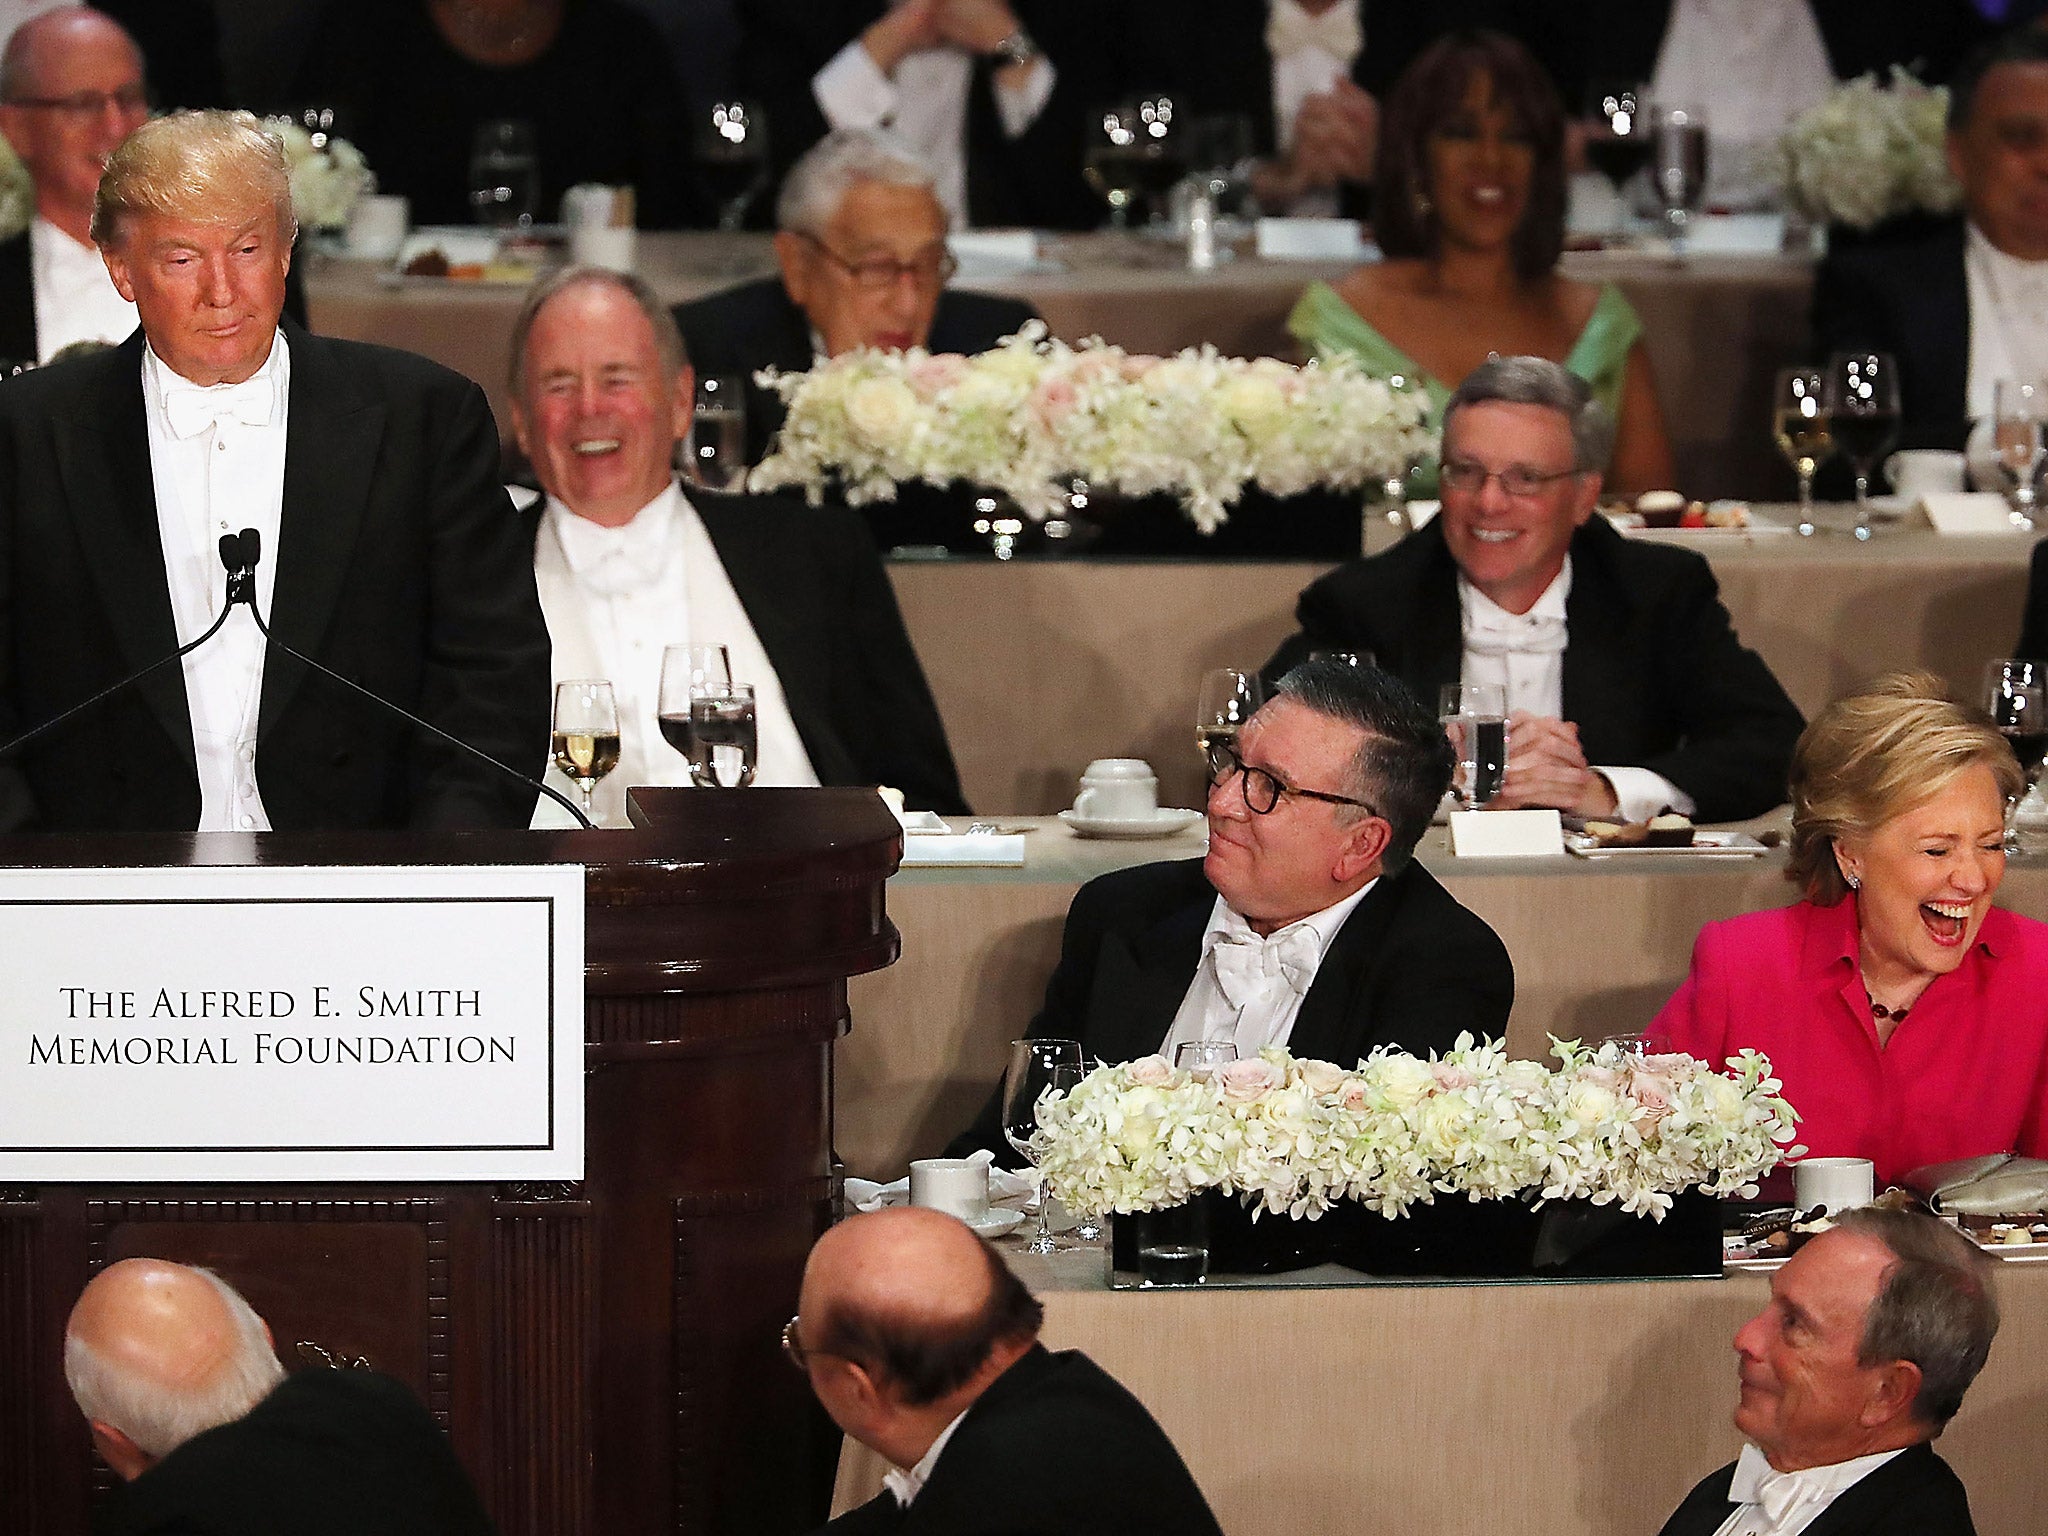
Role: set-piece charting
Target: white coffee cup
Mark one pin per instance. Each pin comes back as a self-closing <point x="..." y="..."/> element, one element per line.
<point x="956" y="1185"/>
<point x="1839" y="1183"/>
<point x="1921" y="471"/>
<point x="377" y="225"/>
<point x="1117" y="789"/>
<point x="603" y="245"/>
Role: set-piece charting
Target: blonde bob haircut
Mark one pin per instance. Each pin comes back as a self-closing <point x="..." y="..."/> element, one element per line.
<point x="1874" y="756"/>
<point x="210" y="167"/>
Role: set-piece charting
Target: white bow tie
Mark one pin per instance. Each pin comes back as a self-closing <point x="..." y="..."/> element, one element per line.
<point x="614" y="561"/>
<point x="1777" y="1494"/>
<point x="1526" y="635"/>
<point x="1291" y="30"/>
<point x="1250" y="968"/>
<point x="192" y="408"/>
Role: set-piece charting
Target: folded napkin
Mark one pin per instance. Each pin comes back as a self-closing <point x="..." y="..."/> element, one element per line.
<point x="1016" y="1191"/>
<point x="1968" y="512"/>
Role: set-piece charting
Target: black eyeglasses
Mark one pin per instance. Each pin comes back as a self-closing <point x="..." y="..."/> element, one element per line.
<point x="1262" y="790"/>
<point x="129" y="98"/>
<point x="932" y="268"/>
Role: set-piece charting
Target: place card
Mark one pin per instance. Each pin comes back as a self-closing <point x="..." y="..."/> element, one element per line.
<point x="1968" y="512"/>
<point x="993" y="247"/>
<point x="964" y="851"/>
<point x="1310" y="240"/>
<point x="1506" y="834"/>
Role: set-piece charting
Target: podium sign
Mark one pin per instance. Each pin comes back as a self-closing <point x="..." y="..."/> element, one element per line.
<point x="302" y="1024"/>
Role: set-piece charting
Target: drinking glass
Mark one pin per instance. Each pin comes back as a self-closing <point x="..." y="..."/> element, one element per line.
<point x="1349" y="658"/>
<point x="504" y="174"/>
<point x="1037" y="1067"/>
<point x="2016" y="698"/>
<point x="1134" y="148"/>
<point x="1800" y="419"/>
<point x="1678" y="158"/>
<point x="719" y="735"/>
<point x="1475" y="718"/>
<point x="1618" y="143"/>
<point x="1863" y="417"/>
<point x="1229" y="697"/>
<point x="1203" y="1057"/>
<point x="586" y="732"/>
<point x="729" y="150"/>
<point x="718" y="433"/>
<point x="1220" y="157"/>
<point x="684" y="667"/>
<point x="2020" y="405"/>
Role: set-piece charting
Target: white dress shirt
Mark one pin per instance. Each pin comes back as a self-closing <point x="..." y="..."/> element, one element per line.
<point x="2008" y="319"/>
<point x="216" y="459"/>
<point x="1311" y="53"/>
<point x="615" y="598"/>
<point x="75" y="299"/>
<point x="1522" y="654"/>
<point x="1770" y="1503"/>
<point x="925" y="105"/>
<point x="1247" y="988"/>
<point x="1752" y="66"/>
<point x="908" y="1485"/>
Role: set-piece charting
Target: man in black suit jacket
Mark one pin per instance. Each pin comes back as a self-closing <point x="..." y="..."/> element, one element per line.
<point x="603" y="388"/>
<point x="922" y="1345"/>
<point x="188" y="1404"/>
<point x="1346" y="943"/>
<point x="1873" y="1333"/>
<point x="390" y="553"/>
<point x="1656" y="694"/>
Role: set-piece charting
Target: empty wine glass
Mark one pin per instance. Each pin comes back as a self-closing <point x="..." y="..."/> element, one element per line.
<point x="2016" y="698"/>
<point x="1475" y="718"/>
<point x="1228" y="698"/>
<point x="586" y="732"/>
<point x="729" y="149"/>
<point x="718" y="433"/>
<point x="1618" y="137"/>
<point x="1678" y="155"/>
<point x="1800" y="419"/>
<point x="1037" y="1067"/>
<point x="504" y="174"/>
<point x="2019" y="406"/>
<point x="1863" y="417"/>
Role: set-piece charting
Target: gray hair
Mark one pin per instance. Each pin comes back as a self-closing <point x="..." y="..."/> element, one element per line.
<point x="1539" y="381"/>
<point x="668" y="339"/>
<point x="1935" y="1307"/>
<point x="819" y="181"/>
<point x="158" y="1419"/>
<point x="1405" y="763"/>
<point x="18" y="60"/>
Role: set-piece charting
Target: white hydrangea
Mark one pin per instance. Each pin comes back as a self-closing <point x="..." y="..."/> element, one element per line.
<point x="1869" y="152"/>
<point x="326" y="179"/>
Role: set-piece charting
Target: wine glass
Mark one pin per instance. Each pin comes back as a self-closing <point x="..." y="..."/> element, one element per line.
<point x="1229" y="697"/>
<point x="729" y="150"/>
<point x="1863" y="417"/>
<point x="1037" y="1067"/>
<point x="586" y="732"/>
<point x="1618" y="145"/>
<point x="1475" y="718"/>
<point x="2019" y="407"/>
<point x="2016" y="698"/>
<point x="504" y="174"/>
<point x="718" y="433"/>
<point x="1110" y="164"/>
<point x="1678" y="156"/>
<point x="1800" y="419"/>
<point x="1203" y="1057"/>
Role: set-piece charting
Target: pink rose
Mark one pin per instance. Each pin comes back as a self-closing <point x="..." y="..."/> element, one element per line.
<point x="931" y="375"/>
<point x="1606" y="1077"/>
<point x="1243" y="1081"/>
<point x="1353" y="1096"/>
<point x="1451" y="1077"/>
<point x="1150" y="1072"/>
<point x="1052" y="400"/>
<point x="1652" y="1090"/>
<point x="1669" y="1063"/>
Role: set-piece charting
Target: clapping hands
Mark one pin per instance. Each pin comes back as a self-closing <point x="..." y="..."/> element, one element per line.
<point x="1547" y="767"/>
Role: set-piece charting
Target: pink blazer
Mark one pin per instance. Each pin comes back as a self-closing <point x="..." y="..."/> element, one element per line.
<point x="1964" y="1073"/>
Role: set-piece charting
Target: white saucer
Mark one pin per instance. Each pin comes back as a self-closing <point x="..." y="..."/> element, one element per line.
<point x="998" y="1222"/>
<point x="1163" y="822"/>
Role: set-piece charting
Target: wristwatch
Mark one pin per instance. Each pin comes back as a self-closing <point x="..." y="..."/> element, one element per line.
<point x="1017" y="48"/>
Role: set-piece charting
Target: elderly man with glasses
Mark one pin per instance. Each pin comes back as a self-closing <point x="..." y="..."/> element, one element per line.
<point x="1626" y="687"/>
<point x="1309" y="924"/>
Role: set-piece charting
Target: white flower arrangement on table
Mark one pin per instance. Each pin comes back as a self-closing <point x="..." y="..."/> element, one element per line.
<point x="327" y="177"/>
<point x="1034" y="413"/>
<point x="1293" y="1137"/>
<point x="1869" y="152"/>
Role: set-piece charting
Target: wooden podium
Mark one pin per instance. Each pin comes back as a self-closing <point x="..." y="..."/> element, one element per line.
<point x="605" y="1355"/>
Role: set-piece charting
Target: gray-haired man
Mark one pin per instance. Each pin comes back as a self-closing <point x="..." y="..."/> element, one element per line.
<point x="1626" y="686"/>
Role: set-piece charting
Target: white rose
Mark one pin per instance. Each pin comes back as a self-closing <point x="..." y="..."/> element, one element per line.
<point x="1322" y="1077"/>
<point x="882" y="410"/>
<point x="1591" y="1104"/>
<point x="1256" y="406"/>
<point x="1442" y="1128"/>
<point x="1404" y="1080"/>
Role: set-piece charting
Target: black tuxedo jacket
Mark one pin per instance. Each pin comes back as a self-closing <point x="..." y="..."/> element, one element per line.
<point x="1913" y="1494"/>
<point x="1108" y="1468"/>
<point x="1654" y="676"/>
<point x="328" y="1453"/>
<point x="399" y="564"/>
<point x="2034" y="621"/>
<point x="1905" y="295"/>
<point x="1409" y="968"/>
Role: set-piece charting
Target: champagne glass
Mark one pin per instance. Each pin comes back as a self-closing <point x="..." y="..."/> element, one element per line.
<point x="1618" y="145"/>
<point x="1229" y="697"/>
<point x="1863" y="417"/>
<point x="1678" y="157"/>
<point x="2016" y="698"/>
<point x="586" y="732"/>
<point x="1037" y="1067"/>
<point x="1475" y="718"/>
<point x="729" y="150"/>
<point x="1203" y="1057"/>
<point x="1801" y="421"/>
<point x="504" y="174"/>
<point x="2019" y="406"/>
<point x="718" y="433"/>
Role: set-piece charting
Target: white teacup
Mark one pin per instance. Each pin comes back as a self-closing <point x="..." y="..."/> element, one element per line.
<point x="1117" y="789"/>
<point x="377" y="225"/>
<point x="1839" y="1183"/>
<point x="956" y="1185"/>
<point x="1919" y="472"/>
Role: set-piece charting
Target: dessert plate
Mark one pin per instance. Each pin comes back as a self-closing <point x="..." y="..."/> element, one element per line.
<point x="1163" y="822"/>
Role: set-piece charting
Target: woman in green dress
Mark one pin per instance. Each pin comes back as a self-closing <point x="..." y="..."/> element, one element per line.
<point x="1470" y="218"/>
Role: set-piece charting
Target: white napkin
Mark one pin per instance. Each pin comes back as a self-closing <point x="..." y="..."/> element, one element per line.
<point x="1968" y="512"/>
<point x="1016" y="1191"/>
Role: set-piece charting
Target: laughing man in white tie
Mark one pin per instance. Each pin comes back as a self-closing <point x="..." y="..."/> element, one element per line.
<point x="1861" y="1357"/>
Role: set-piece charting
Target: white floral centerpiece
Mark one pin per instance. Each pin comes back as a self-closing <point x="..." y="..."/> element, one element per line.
<point x="327" y="176"/>
<point x="1294" y="1137"/>
<point x="1869" y="152"/>
<point x="1034" y="413"/>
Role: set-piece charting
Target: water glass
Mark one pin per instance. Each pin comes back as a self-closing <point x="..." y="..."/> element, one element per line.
<point x="1678" y="167"/>
<point x="1474" y="717"/>
<point x="2016" y="698"/>
<point x="504" y="174"/>
<point x="1173" y="1245"/>
<point x="1229" y="697"/>
<point x="718" y="433"/>
<point x="723" y="736"/>
<point x="1203" y="1057"/>
<point x="2019" y="406"/>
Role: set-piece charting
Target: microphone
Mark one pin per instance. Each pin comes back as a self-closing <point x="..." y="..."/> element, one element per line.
<point x="239" y="553"/>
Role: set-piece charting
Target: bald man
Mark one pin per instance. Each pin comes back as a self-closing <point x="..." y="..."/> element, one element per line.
<point x="922" y="1345"/>
<point x="177" y="1376"/>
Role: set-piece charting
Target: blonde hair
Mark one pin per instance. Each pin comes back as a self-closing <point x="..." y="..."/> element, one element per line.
<point x="211" y="167"/>
<point x="1875" y="755"/>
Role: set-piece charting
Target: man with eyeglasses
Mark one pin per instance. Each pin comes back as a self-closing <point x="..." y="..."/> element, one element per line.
<point x="1626" y="687"/>
<point x="1309" y="924"/>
